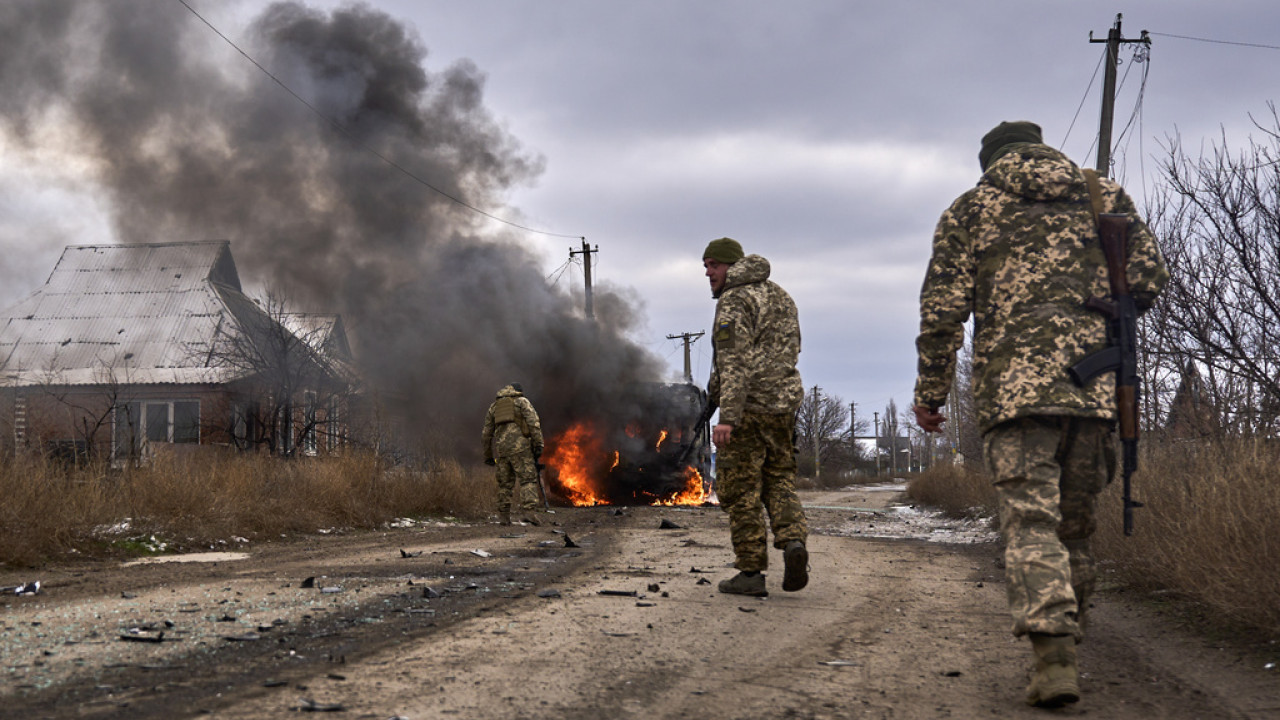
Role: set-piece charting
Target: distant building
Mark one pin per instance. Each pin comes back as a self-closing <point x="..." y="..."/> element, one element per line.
<point x="128" y="348"/>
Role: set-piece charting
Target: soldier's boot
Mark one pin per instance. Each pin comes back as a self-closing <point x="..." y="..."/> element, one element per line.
<point x="504" y="517"/>
<point x="745" y="584"/>
<point x="1056" y="680"/>
<point x="795" y="558"/>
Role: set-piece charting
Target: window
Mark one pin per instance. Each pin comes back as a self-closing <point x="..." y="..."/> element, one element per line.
<point x="309" y="406"/>
<point x="155" y="421"/>
<point x="284" y="430"/>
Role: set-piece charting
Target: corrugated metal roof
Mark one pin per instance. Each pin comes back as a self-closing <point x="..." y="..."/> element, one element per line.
<point x="136" y="313"/>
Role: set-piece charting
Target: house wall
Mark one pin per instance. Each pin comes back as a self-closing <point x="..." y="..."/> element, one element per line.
<point x="112" y="422"/>
<point x="88" y="421"/>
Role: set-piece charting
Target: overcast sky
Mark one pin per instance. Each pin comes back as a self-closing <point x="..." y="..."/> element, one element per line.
<point x="825" y="136"/>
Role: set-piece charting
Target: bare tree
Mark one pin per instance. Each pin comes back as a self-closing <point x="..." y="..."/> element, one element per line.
<point x="291" y="385"/>
<point x="1218" y="219"/>
<point x="89" y="412"/>
<point x="822" y="434"/>
<point x="962" y="432"/>
<point x="890" y="444"/>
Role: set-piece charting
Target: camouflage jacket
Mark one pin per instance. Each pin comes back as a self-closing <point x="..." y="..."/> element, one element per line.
<point x="757" y="342"/>
<point x="522" y="433"/>
<point x="1021" y="253"/>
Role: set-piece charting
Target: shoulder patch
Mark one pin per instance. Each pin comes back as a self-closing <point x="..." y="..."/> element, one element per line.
<point x="723" y="335"/>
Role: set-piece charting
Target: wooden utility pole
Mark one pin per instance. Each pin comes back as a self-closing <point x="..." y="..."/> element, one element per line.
<point x="688" y="339"/>
<point x="853" y="422"/>
<point x="876" y="414"/>
<point x="1114" y="39"/>
<point x="585" y="252"/>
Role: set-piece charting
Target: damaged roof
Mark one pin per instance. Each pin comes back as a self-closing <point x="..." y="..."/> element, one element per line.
<point x="128" y="314"/>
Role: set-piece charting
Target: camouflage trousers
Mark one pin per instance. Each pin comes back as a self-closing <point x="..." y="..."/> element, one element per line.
<point x="755" y="473"/>
<point x="1048" y="472"/>
<point x="518" y="477"/>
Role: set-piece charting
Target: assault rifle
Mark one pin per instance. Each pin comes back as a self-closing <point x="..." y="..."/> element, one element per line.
<point x="542" y="489"/>
<point x="699" y="427"/>
<point x="1121" y="353"/>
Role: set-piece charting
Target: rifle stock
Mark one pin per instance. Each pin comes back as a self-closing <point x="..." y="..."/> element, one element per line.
<point x="542" y="489"/>
<point x="700" y="426"/>
<point x="1121" y="354"/>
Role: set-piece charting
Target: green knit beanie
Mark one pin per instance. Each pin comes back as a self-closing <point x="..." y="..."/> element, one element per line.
<point x="725" y="250"/>
<point x="1005" y="134"/>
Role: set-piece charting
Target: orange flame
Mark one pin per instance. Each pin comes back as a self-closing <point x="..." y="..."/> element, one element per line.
<point x="582" y="469"/>
<point x="571" y="455"/>
<point x="693" y="494"/>
<point x="661" y="439"/>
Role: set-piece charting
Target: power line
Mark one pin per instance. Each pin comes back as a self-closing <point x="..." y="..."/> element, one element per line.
<point x="1218" y="42"/>
<point x="558" y="272"/>
<point x="356" y="141"/>
<point x="1083" y="98"/>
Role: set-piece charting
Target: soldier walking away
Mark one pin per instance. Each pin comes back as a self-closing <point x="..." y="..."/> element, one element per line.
<point x="1021" y="253"/>
<point x="512" y="440"/>
<point x="755" y="383"/>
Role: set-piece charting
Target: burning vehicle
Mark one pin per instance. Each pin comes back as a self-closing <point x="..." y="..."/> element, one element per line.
<point x="652" y="447"/>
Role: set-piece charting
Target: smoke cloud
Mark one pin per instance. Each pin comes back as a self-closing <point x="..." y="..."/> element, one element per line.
<point x="187" y="141"/>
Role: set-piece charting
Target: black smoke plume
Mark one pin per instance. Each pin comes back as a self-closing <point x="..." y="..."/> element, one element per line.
<point x="188" y="141"/>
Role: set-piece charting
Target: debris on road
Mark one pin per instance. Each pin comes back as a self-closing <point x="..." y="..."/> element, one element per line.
<point x="309" y="705"/>
<point x="143" y="635"/>
<point x="31" y="588"/>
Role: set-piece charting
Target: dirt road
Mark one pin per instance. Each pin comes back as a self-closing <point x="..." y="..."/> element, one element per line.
<point x="604" y="614"/>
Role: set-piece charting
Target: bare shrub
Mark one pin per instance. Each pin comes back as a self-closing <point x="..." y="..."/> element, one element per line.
<point x="956" y="490"/>
<point x="1208" y="531"/>
<point x="47" y="506"/>
<point x="202" y="498"/>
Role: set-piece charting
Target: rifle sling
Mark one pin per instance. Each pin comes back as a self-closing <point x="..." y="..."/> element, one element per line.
<point x="1095" y="196"/>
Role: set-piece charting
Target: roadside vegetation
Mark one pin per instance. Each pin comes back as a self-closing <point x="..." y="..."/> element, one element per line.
<point x="217" y="500"/>
<point x="1209" y="534"/>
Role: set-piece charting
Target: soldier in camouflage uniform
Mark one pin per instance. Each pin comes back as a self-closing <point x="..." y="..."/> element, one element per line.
<point x="755" y="383"/>
<point x="512" y="441"/>
<point x="1020" y="252"/>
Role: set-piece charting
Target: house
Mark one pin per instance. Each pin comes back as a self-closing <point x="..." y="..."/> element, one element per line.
<point x="127" y="347"/>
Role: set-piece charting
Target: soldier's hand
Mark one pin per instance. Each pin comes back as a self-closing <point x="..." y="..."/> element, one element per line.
<point x="929" y="419"/>
<point x="720" y="434"/>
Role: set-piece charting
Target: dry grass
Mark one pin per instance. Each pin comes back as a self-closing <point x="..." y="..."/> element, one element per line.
<point x="956" y="490"/>
<point x="1209" y="534"/>
<point x="1210" y="531"/>
<point x="209" y="497"/>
